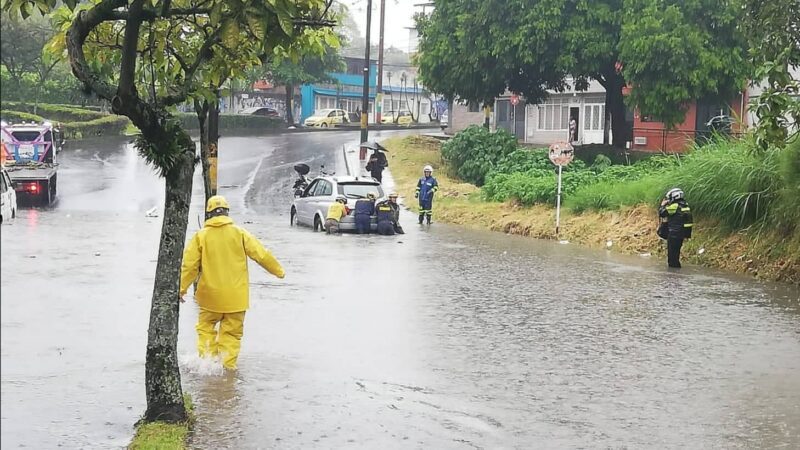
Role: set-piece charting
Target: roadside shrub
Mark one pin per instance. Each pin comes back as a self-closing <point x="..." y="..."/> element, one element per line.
<point x="474" y="152"/>
<point x="786" y="213"/>
<point x="17" y="116"/>
<point x="109" y="125"/>
<point x="524" y="160"/>
<point x="614" y="193"/>
<point x="728" y="180"/>
<point x="233" y="121"/>
<point x="55" y="113"/>
<point x="535" y="186"/>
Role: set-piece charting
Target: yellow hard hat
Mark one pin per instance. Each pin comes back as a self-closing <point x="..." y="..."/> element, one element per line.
<point x="215" y="202"/>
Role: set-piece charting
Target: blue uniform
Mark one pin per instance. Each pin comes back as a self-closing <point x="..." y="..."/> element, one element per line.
<point x="385" y="216"/>
<point x="363" y="211"/>
<point x="426" y="187"/>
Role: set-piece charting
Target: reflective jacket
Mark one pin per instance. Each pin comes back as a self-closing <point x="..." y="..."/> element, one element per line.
<point x="426" y="186"/>
<point x="365" y="206"/>
<point x="221" y="249"/>
<point x="385" y="212"/>
<point x="679" y="219"/>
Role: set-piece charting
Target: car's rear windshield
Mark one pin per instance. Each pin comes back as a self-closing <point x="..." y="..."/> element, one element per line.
<point x="359" y="190"/>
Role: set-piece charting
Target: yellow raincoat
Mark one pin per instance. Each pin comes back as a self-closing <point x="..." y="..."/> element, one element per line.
<point x="221" y="248"/>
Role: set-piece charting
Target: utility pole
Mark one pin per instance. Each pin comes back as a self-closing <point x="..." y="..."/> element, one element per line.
<point x="365" y="99"/>
<point x="379" y="91"/>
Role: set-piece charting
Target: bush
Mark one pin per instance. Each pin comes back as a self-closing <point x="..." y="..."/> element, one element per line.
<point x="728" y="180"/>
<point x="233" y="121"/>
<point x="474" y="152"/>
<point x="524" y="160"/>
<point x="55" y="113"/>
<point x="108" y="125"/>
<point x="534" y="186"/>
<point x="17" y="116"/>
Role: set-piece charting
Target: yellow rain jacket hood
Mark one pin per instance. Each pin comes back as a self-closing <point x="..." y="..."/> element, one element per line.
<point x="221" y="249"/>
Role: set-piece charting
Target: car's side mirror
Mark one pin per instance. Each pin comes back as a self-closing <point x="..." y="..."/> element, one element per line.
<point x="298" y="193"/>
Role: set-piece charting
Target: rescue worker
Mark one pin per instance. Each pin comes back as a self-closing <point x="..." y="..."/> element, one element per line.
<point x="363" y="211"/>
<point x="388" y="216"/>
<point x="377" y="162"/>
<point x="426" y="187"/>
<point x="221" y="248"/>
<point x="336" y="212"/>
<point x="678" y="217"/>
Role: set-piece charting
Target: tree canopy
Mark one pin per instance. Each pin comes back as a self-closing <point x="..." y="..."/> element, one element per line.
<point x="668" y="52"/>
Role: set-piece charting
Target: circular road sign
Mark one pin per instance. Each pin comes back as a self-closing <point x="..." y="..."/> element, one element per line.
<point x="561" y="153"/>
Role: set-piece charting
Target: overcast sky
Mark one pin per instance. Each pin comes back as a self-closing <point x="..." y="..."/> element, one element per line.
<point x="398" y="16"/>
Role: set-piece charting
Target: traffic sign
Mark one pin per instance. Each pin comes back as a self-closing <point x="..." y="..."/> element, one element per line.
<point x="561" y="153"/>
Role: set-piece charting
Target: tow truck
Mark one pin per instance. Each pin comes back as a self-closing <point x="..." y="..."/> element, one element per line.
<point x="29" y="151"/>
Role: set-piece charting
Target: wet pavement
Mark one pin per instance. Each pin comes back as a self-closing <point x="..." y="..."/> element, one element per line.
<point x="440" y="338"/>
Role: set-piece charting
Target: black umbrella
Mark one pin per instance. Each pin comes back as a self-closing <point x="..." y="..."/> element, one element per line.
<point x="373" y="145"/>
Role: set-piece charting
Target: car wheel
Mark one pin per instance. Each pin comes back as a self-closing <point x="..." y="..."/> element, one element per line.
<point x="324" y="125"/>
<point x="318" y="224"/>
<point x="293" y="217"/>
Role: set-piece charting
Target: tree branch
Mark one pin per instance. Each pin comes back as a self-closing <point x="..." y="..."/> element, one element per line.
<point x="84" y="23"/>
<point x="127" y="75"/>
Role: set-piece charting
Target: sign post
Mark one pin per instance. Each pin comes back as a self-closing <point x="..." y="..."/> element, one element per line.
<point x="561" y="154"/>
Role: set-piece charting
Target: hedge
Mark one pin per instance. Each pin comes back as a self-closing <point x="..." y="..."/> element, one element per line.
<point x="108" y="125"/>
<point x="233" y="121"/>
<point x="55" y="113"/>
<point x="17" y="116"/>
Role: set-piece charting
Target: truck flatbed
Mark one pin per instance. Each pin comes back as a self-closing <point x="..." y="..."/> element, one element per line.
<point x="30" y="173"/>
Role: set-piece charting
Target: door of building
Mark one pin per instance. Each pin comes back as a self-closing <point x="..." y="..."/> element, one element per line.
<point x="504" y="116"/>
<point x="519" y="121"/>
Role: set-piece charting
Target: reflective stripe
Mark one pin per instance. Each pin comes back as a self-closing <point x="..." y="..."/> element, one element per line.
<point x="672" y="208"/>
<point x="688" y="225"/>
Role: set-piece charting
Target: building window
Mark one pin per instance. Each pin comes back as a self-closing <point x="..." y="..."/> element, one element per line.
<point x="593" y="117"/>
<point x="554" y="115"/>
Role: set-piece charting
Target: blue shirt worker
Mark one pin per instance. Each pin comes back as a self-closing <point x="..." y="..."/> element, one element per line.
<point x="426" y="187"/>
<point x="364" y="210"/>
<point x="387" y="215"/>
<point x="221" y="248"/>
<point x="677" y="217"/>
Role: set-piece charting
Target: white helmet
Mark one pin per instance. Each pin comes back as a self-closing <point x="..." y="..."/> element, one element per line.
<point x="674" y="194"/>
<point x="427" y="168"/>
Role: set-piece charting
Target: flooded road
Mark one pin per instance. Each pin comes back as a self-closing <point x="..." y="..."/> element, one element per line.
<point x="440" y="338"/>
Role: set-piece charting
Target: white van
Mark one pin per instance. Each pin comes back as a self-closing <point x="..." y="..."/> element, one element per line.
<point x="8" y="209"/>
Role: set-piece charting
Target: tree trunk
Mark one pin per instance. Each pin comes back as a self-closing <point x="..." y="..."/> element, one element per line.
<point x="289" y="104"/>
<point x="615" y="108"/>
<point x="162" y="374"/>
<point x="201" y="109"/>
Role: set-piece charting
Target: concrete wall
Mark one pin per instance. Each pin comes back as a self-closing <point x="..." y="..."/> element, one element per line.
<point x="461" y="118"/>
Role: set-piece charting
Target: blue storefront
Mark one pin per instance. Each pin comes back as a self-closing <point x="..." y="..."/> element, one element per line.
<point x="345" y="92"/>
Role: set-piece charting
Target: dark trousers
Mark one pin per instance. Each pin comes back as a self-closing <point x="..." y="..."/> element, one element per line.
<point x="362" y="223"/>
<point x="674" y="251"/>
<point x="378" y="176"/>
<point x="385" y="228"/>
<point x="425" y="209"/>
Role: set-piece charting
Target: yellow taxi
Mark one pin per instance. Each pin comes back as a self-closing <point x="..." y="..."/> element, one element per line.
<point x="400" y="118"/>
<point x="326" y="118"/>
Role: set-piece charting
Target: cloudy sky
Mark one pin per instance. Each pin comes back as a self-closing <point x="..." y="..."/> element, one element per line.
<point x="398" y="16"/>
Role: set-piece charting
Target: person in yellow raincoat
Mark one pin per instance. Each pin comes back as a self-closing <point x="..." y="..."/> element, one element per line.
<point x="221" y="249"/>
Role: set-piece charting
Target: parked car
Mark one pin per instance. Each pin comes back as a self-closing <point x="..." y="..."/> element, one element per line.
<point x="8" y="197"/>
<point x="326" y="118"/>
<point x="310" y="208"/>
<point x="403" y="118"/>
<point x="260" y="111"/>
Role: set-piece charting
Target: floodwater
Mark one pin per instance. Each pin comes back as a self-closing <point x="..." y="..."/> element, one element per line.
<point x="440" y="338"/>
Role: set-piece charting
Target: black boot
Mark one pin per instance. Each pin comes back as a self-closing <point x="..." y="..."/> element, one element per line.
<point x="428" y="218"/>
<point x="421" y="216"/>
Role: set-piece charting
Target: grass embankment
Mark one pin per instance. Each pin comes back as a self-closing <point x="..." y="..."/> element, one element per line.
<point x="164" y="436"/>
<point x="629" y="224"/>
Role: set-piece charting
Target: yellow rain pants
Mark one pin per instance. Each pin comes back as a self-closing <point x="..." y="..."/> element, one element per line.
<point x="226" y="342"/>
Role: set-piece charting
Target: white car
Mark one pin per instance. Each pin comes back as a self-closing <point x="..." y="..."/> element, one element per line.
<point x="310" y="208"/>
<point x="8" y="209"/>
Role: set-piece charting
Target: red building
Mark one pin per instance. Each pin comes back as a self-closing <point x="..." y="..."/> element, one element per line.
<point x="702" y="117"/>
